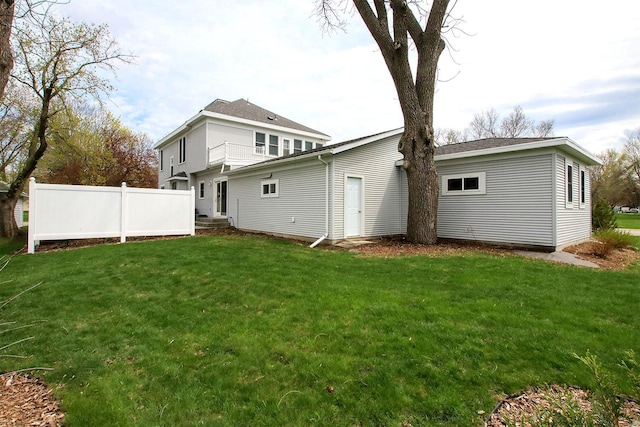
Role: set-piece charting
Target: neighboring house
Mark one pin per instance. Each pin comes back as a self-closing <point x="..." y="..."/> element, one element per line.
<point x="520" y="191"/>
<point x="222" y="137"/>
<point x="18" y="211"/>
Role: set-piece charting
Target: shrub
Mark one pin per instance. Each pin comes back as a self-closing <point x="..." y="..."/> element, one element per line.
<point x="602" y="216"/>
<point x="615" y="239"/>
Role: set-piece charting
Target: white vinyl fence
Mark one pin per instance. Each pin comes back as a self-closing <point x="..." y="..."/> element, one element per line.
<point x="61" y="212"/>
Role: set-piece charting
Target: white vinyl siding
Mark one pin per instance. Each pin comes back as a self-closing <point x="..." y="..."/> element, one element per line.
<point x="299" y="209"/>
<point x="572" y="224"/>
<point x="516" y="207"/>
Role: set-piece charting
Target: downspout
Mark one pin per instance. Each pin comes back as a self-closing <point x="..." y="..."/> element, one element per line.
<point x="326" y="204"/>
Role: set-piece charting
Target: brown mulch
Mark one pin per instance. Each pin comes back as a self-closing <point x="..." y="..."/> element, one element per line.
<point x="519" y="410"/>
<point x="392" y="247"/>
<point x="27" y="401"/>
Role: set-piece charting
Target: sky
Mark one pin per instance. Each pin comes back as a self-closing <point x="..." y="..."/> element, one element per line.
<point x="574" y="61"/>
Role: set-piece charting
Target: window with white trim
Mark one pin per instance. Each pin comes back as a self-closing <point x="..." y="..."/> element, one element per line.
<point x="182" y="149"/>
<point x="274" y="145"/>
<point x="583" y="187"/>
<point x="161" y="160"/>
<point x="286" y="147"/>
<point x="308" y="145"/>
<point x="201" y="189"/>
<point x="297" y="146"/>
<point x="467" y="184"/>
<point x="260" y="144"/>
<point x="319" y="145"/>
<point x="269" y="188"/>
<point x="569" y="182"/>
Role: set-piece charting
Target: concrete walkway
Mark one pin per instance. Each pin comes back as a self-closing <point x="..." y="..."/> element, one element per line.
<point x="557" y="256"/>
<point x="629" y="230"/>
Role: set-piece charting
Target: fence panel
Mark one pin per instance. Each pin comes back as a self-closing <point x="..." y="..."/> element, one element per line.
<point x="61" y="212"/>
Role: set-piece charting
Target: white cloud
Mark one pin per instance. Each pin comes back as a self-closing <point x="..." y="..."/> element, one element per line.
<point x="557" y="59"/>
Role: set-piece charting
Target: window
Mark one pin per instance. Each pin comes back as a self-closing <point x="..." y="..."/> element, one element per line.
<point x="161" y="160"/>
<point x="467" y="184"/>
<point x="319" y="145"/>
<point x="182" y="155"/>
<point x="171" y="166"/>
<point x="286" y="147"/>
<point x="569" y="185"/>
<point x="201" y="187"/>
<point x="297" y="146"/>
<point x="273" y="145"/>
<point x="308" y="145"/>
<point x="260" y="143"/>
<point x="583" y="187"/>
<point x="270" y="187"/>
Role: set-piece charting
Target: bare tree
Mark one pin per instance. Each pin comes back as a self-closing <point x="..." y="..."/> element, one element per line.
<point x="488" y="125"/>
<point x="395" y="25"/>
<point x="57" y="61"/>
<point x="484" y="125"/>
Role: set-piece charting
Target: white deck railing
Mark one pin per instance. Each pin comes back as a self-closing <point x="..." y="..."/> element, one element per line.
<point x="235" y="154"/>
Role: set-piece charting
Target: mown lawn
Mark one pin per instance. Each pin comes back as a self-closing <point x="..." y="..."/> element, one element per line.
<point x="253" y="331"/>
<point x="628" y="220"/>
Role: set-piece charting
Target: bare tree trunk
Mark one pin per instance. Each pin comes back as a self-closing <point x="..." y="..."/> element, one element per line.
<point x="7" y="9"/>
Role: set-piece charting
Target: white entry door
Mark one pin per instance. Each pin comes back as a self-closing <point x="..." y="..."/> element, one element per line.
<point x="353" y="207"/>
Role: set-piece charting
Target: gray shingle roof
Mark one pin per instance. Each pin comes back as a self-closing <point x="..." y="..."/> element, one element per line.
<point x="483" y="144"/>
<point x="243" y="109"/>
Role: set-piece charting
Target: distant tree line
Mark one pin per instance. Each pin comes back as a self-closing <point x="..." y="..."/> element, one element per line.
<point x="488" y="124"/>
<point x="617" y="180"/>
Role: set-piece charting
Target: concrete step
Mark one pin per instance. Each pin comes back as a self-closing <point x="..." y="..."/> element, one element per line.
<point x="206" y="222"/>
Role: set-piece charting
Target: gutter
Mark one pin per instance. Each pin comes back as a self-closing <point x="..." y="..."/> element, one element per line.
<point x="326" y="204"/>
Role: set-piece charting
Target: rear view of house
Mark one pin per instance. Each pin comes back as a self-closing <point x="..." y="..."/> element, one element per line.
<point x="222" y="137"/>
<point x="266" y="173"/>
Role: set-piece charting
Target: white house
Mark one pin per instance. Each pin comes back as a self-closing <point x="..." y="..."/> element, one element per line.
<point x="520" y="191"/>
<point x="222" y="137"/>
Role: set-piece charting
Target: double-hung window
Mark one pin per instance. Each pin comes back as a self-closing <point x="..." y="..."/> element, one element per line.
<point x="465" y="184"/>
<point x="308" y="145"/>
<point x="286" y="147"/>
<point x="297" y="146"/>
<point x="569" y="186"/>
<point x="273" y="145"/>
<point x="182" y="149"/>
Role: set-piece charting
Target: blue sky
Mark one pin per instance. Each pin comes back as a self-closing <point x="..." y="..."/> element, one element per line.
<point x="577" y="62"/>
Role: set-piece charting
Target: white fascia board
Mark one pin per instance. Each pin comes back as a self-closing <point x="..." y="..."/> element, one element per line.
<point x="565" y="143"/>
<point x="278" y="162"/>
<point x="367" y="140"/>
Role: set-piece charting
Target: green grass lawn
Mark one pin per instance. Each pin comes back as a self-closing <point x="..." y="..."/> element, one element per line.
<point x="252" y="331"/>
<point x="628" y="220"/>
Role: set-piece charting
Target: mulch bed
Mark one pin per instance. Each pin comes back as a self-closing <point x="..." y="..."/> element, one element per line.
<point x="519" y="410"/>
<point x="27" y="401"/>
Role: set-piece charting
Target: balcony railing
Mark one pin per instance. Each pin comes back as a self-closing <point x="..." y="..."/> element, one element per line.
<point x="233" y="154"/>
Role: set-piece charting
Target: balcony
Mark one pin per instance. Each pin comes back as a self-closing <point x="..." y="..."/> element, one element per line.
<point x="232" y="154"/>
